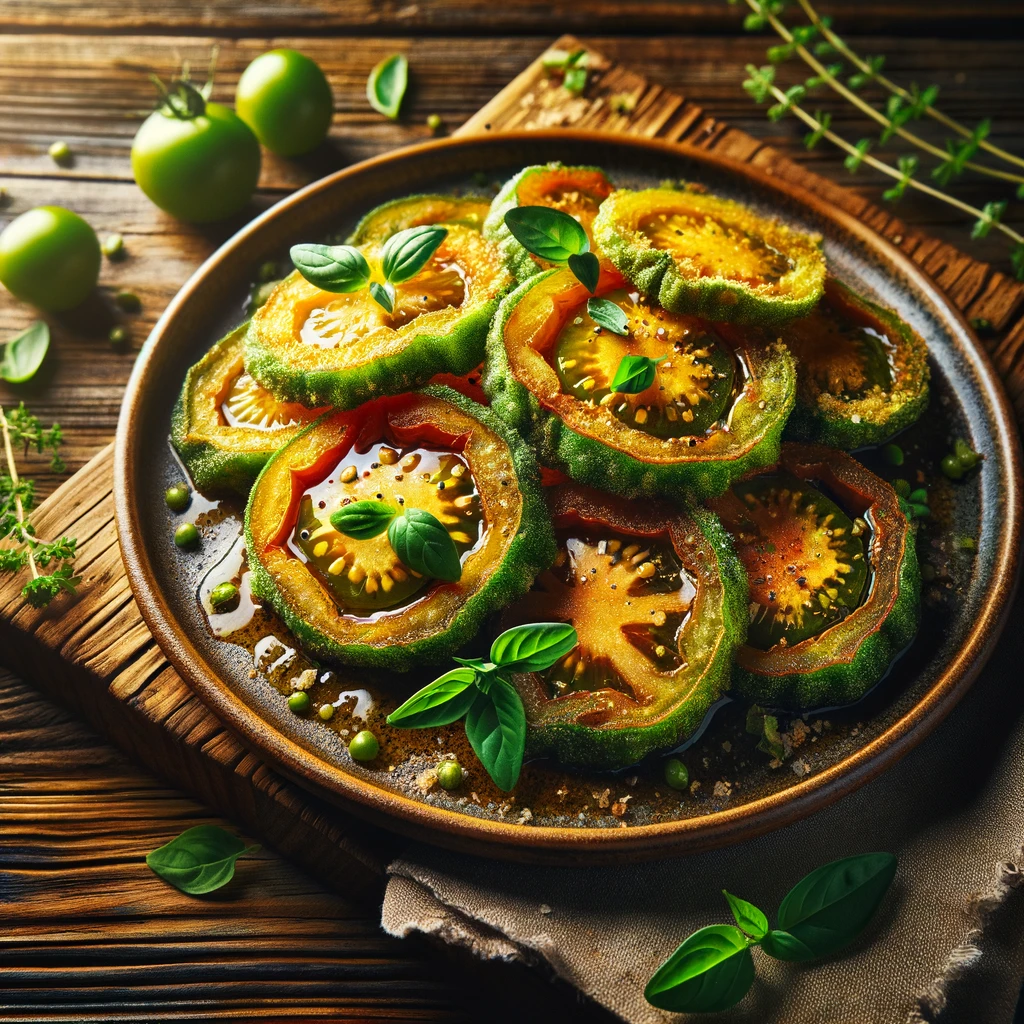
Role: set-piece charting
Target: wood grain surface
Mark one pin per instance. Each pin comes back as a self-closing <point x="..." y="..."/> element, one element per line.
<point x="96" y="655"/>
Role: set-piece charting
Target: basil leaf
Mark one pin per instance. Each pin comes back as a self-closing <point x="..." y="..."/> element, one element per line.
<point x="384" y="295"/>
<point x="441" y="702"/>
<point x="783" y="946"/>
<point x="547" y="233"/>
<point x="200" y="860"/>
<point x="385" y="88"/>
<point x="533" y="647"/>
<point x="830" y="907"/>
<point x="363" y="519"/>
<point x="24" y="353"/>
<point x="406" y="252"/>
<point x="423" y="545"/>
<point x="608" y="315"/>
<point x="496" y="730"/>
<point x="747" y="916"/>
<point x="587" y="269"/>
<point x="334" y="268"/>
<point x="635" y="374"/>
<point x="711" y="971"/>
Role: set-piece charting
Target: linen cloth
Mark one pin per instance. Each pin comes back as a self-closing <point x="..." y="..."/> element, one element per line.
<point x="947" y="944"/>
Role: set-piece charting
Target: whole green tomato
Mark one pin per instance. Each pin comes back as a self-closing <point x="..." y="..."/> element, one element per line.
<point x="285" y="98"/>
<point x="50" y="257"/>
<point x="196" y="160"/>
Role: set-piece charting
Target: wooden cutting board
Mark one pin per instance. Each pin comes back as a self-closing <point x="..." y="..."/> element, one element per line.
<point x="95" y="654"/>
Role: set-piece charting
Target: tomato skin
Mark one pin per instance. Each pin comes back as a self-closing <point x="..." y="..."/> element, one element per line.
<point x="284" y="97"/>
<point x="50" y="257"/>
<point x="199" y="169"/>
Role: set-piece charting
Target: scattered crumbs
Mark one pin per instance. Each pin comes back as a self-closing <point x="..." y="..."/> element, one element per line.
<point x="581" y="816"/>
<point x="816" y="725"/>
<point x="391" y="767"/>
<point x="855" y="418"/>
<point x="897" y="239"/>
<point x="798" y="732"/>
<point x="632" y="780"/>
<point x="545" y="909"/>
<point x="304" y="680"/>
<point x="426" y="780"/>
<point x="602" y="798"/>
<point x="621" y="806"/>
<point x="694" y="786"/>
<point x="525" y="815"/>
<point x="562" y="792"/>
<point x="474" y="798"/>
<point x="723" y="788"/>
<point x="800" y="768"/>
<point x="657" y="794"/>
<point x="854" y="731"/>
<point x="252" y="673"/>
<point x="774" y="763"/>
<point x="727" y="746"/>
<point x="707" y="762"/>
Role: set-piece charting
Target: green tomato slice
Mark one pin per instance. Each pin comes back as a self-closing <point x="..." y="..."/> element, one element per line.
<point x="693" y="382"/>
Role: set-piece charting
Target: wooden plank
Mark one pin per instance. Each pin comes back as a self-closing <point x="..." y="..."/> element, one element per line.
<point x="461" y="17"/>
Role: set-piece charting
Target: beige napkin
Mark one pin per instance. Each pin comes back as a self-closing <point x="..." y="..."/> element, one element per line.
<point x="947" y="945"/>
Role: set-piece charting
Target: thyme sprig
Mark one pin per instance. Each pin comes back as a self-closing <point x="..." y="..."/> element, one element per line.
<point x="761" y="87"/>
<point x="22" y="548"/>
<point x="902" y="107"/>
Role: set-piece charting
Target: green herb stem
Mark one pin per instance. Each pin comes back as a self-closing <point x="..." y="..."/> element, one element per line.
<point x="866" y="108"/>
<point x="19" y="508"/>
<point x="880" y="165"/>
<point x="934" y="113"/>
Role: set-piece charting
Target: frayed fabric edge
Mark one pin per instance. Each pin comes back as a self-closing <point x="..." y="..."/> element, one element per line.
<point x="932" y="1000"/>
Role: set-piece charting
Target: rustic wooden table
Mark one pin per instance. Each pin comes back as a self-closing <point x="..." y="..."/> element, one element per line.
<point x="89" y="933"/>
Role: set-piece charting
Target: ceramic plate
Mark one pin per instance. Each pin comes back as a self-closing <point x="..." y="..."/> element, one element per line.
<point x="556" y="815"/>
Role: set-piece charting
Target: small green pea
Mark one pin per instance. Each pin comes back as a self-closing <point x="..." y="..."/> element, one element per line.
<point x="178" y="497"/>
<point x="364" y="746"/>
<point x="449" y="774"/>
<point x="299" y="702"/>
<point x="920" y="511"/>
<point x="223" y="597"/>
<point x="186" y="535"/>
<point x="118" y="335"/>
<point x="267" y="271"/>
<point x="60" y="152"/>
<point x="113" y="246"/>
<point x="965" y="454"/>
<point x="901" y="487"/>
<point x="928" y="572"/>
<point x="893" y="454"/>
<point x="326" y="712"/>
<point x="434" y="123"/>
<point x="920" y="496"/>
<point x="676" y="774"/>
<point x="967" y="544"/>
<point x="128" y="301"/>
<point x="950" y="466"/>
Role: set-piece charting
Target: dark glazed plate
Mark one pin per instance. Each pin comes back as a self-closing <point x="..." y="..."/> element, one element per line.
<point x="557" y="816"/>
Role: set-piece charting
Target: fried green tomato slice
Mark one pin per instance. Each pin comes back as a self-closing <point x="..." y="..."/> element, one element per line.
<point x="834" y="583"/>
<point x="225" y="426"/>
<point x="699" y="253"/>
<point x="657" y="597"/>
<point x="712" y="413"/>
<point x="862" y="372"/>
<point x="577" y="191"/>
<point x="415" y="211"/>
<point x="321" y="348"/>
<point x="352" y="599"/>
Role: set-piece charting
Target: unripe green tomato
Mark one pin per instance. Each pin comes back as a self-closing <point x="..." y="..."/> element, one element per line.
<point x="285" y="98"/>
<point x="197" y="169"/>
<point x="50" y="257"/>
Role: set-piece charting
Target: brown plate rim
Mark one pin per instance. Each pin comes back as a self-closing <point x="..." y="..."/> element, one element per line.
<point x="558" y="844"/>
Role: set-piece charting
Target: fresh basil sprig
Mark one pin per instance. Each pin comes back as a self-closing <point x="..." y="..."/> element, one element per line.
<point x="200" y="860"/>
<point x="424" y="545"/>
<point x="418" y="538"/>
<point x="635" y="374"/>
<point x="825" y="911"/>
<point x="481" y="691"/>
<point x="343" y="268"/>
<point x="556" y="237"/>
<point x="608" y="315"/>
<point x="385" y="88"/>
<point x="24" y="353"/>
<point x="363" y="519"/>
